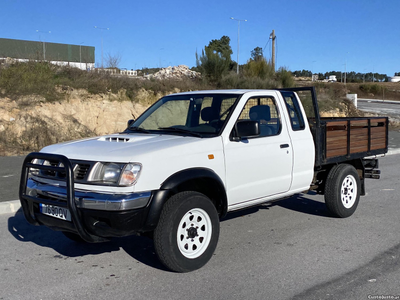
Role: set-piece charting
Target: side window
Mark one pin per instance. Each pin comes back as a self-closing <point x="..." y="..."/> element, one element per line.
<point x="293" y="108"/>
<point x="265" y="112"/>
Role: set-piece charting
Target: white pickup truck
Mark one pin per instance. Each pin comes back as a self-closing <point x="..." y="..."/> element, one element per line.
<point x="193" y="157"/>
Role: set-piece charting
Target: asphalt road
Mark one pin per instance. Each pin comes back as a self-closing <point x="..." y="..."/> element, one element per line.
<point x="291" y="249"/>
<point x="10" y="173"/>
<point x="380" y="107"/>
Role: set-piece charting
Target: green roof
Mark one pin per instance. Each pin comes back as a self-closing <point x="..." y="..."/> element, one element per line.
<point x="43" y="50"/>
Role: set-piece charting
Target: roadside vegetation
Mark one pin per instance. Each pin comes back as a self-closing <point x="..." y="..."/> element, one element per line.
<point x="36" y="81"/>
<point x="218" y="71"/>
<point x="49" y="81"/>
<point x="215" y="64"/>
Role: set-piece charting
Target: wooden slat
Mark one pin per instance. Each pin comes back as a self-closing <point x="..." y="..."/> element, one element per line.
<point x="359" y="149"/>
<point x="337" y="135"/>
<point x="378" y="144"/>
<point x="378" y="129"/>
<point x="336" y="123"/>
<point x="334" y="153"/>
<point x="342" y="139"/>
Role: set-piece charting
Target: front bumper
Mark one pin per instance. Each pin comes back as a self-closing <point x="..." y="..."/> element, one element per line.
<point x="87" y="199"/>
<point x="94" y="216"/>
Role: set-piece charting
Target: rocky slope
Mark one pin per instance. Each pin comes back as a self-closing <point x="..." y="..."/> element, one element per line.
<point x="30" y="123"/>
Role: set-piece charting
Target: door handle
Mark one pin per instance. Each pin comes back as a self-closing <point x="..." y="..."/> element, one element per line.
<point x="284" y="146"/>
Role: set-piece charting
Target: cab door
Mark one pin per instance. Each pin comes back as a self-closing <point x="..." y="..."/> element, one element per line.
<point x="260" y="166"/>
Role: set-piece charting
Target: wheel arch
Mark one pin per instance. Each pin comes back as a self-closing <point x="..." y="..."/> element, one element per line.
<point x="202" y="180"/>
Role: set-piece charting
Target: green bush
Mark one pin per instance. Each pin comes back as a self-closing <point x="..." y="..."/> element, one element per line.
<point x="29" y="78"/>
<point x="258" y="68"/>
<point x="371" y="88"/>
<point x="233" y="81"/>
<point x="42" y="78"/>
<point x="285" y="78"/>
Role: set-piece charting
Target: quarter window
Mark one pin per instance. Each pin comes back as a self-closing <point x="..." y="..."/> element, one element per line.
<point x="293" y="108"/>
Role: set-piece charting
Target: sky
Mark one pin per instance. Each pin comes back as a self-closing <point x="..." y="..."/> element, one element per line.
<point x="317" y="35"/>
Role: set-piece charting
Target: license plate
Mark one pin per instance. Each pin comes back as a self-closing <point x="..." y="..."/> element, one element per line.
<point x="55" y="211"/>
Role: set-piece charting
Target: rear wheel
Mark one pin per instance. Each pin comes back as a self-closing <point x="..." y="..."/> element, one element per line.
<point x="342" y="190"/>
<point x="187" y="233"/>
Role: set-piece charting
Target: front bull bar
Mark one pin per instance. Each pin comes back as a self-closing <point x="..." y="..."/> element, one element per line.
<point x="28" y="200"/>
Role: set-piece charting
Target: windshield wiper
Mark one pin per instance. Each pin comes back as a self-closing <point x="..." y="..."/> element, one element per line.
<point x="181" y="130"/>
<point x="135" y="128"/>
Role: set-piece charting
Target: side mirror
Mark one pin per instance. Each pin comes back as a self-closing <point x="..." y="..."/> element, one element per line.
<point x="130" y="122"/>
<point x="246" y="129"/>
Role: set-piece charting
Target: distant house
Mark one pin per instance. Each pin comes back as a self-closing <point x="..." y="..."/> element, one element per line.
<point x="117" y="72"/>
<point x="128" y="72"/>
<point x="332" y="78"/>
<point x="395" y="79"/>
<point x="77" y="56"/>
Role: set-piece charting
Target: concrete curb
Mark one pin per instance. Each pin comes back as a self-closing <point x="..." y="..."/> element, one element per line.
<point x="378" y="100"/>
<point x="393" y="151"/>
<point x="9" y="207"/>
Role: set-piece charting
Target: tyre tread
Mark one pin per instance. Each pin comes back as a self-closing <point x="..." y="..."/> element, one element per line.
<point x="165" y="249"/>
<point x="331" y="191"/>
<point x="159" y="245"/>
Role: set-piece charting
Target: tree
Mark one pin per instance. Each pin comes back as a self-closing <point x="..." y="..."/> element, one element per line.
<point x="215" y="59"/>
<point x="113" y="61"/>
<point x="257" y="54"/>
<point x="222" y="46"/>
<point x="302" y="73"/>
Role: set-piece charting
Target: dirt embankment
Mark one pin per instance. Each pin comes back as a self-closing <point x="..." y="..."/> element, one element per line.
<point x="30" y="123"/>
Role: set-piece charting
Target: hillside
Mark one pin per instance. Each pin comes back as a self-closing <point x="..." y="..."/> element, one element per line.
<point x="42" y="104"/>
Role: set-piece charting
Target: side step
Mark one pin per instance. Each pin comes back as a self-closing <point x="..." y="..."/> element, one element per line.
<point x="374" y="174"/>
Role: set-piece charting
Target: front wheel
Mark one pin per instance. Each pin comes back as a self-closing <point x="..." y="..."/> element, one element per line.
<point x="187" y="233"/>
<point x="342" y="190"/>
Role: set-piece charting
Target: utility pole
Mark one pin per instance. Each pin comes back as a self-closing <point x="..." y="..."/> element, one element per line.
<point x="273" y="37"/>
<point x="44" y="42"/>
<point x="238" y="43"/>
<point x="345" y="72"/>
<point x="80" y="55"/>
<point x="102" y="29"/>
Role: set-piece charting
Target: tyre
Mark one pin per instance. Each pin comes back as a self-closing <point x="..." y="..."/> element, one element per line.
<point x="187" y="233"/>
<point x="74" y="237"/>
<point x="342" y="190"/>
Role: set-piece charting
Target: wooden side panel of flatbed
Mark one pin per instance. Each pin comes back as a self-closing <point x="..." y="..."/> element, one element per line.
<point x="351" y="136"/>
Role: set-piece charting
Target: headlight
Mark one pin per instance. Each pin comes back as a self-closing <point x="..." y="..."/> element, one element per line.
<point x="115" y="174"/>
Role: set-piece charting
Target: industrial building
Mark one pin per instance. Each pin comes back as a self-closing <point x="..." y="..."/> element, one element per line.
<point x="78" y="56"/>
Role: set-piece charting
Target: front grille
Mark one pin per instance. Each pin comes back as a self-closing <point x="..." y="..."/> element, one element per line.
<point x="81" y="170"/>
<point x="54" y="173"/>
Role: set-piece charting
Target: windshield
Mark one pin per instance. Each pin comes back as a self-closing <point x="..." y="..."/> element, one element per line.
<point x="202" y="115"/>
